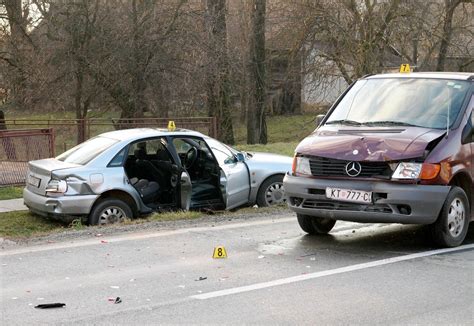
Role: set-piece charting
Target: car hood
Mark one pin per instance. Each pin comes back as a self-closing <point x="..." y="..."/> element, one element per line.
<point x="269" y="158"/>
<point x="368" y="144"/>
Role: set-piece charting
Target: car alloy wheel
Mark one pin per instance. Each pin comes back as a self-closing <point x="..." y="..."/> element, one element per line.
<point x="275" y="194"/>
<point x="111" y="214"/>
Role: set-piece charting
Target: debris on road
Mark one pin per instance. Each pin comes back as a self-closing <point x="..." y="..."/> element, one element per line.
<point x="115" y="287"/>
<point x="201" y="278"/>
<point x="261" y="256"/>
<point x="103" y="241"/>
<point x="50" y="305"/>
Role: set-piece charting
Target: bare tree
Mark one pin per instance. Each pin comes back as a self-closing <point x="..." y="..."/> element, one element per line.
<point x="256" y="121"/>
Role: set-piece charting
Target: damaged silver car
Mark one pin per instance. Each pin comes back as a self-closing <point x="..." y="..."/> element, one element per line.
<point x="123" y="174"/>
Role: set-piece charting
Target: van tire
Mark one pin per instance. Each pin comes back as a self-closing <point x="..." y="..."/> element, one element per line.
<point x="110" y="211"/>
<point x="452" y="224"/>
<point x="315" y="225"/>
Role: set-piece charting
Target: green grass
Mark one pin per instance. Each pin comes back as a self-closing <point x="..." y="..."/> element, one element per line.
<point x="23" y="224"/>
<point x="11" y="193"/>
<point x="282" y="129"/>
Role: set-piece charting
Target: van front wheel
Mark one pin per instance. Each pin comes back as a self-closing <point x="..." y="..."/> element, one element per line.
<point x="315" y="225"/>
<point x="450" y="228"/>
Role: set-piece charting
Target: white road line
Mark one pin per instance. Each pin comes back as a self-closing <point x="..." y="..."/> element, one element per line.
<point x="330" y="272"/>
<point x="117" y="239"/>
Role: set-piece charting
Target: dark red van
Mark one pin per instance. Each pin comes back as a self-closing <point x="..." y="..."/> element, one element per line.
<point x="394" y="148"/>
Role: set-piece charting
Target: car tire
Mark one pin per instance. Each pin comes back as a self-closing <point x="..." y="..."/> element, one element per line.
<point x="315" y="225"/>
<point x="271" y="192"/>
<point x="452" y="224"/>
<point x="109" y="211"/>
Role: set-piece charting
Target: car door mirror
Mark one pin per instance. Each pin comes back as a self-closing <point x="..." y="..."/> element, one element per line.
<point x="319" y="119"/>
<point x="240" y="157"/>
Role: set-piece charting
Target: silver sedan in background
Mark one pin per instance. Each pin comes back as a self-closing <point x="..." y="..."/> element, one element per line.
<point x="122" y="174"/>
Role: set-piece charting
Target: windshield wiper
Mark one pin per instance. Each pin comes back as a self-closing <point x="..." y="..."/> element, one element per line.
<point x="345" y="122"/>
<point x="389" y="123"/>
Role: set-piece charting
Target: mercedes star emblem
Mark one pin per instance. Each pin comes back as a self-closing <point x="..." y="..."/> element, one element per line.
<point x="353" y="169"/>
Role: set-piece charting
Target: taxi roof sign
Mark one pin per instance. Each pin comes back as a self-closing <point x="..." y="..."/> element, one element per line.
<point x="405" y="68"/>
<point x="171" y="126"/>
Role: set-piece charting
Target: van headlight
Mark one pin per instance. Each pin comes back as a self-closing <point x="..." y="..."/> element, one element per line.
<point x="56" y="187"/>
<point x="301" y="165"/>
<point x="407" y="171"/>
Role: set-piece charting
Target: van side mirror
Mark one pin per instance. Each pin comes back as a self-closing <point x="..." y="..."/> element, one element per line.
<point x="319" y="119"/>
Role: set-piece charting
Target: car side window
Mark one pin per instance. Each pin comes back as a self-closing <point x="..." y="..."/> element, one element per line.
<point x="118" y="159"/>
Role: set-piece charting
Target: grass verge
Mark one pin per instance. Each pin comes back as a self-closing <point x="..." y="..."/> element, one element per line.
<point x="11" y="193"/>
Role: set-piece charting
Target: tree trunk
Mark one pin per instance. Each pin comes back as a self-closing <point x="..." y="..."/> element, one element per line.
<point x="218" y="84"/>
<point x="256" y="122"/>
<point x="450" y="7"/>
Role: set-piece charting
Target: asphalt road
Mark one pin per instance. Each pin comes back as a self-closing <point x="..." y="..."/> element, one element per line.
<point x="274" y="274"/>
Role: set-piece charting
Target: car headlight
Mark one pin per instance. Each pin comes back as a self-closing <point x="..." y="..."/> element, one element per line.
<point x="301" y="166"/>
<point x="56" y="187"/>
<point x="414" y="171"/>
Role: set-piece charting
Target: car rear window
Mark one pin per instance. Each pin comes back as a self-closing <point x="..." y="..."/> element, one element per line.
<point x="87" y="151"/>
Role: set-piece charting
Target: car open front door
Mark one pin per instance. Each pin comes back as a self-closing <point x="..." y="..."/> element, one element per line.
<point x="235" y="181"/>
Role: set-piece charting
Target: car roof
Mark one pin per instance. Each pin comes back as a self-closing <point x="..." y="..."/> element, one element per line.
<point x="141" y="133"/>
<point x="426" y="75"/>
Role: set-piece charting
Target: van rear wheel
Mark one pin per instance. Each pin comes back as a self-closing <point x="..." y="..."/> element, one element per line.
<point x="315" y="225"/>
<point x="450" y="228"/>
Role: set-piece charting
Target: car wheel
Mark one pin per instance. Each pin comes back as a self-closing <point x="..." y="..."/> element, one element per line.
<point x="450" y="228"/>
<point x="109" y="211"/>
<point x="271" y="192"/>
<point x="315" y="225"/>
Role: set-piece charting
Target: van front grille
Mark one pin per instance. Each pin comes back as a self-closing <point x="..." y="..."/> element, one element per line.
<point x="328" y="167"/>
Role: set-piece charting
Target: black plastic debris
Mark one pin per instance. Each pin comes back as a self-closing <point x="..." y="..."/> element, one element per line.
<point x="117" y="300"/>
<point x="50" y="305"/>
<point x="201" y="278"/>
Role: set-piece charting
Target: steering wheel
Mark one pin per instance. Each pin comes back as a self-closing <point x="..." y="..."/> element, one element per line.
<point x="190" y="158"/>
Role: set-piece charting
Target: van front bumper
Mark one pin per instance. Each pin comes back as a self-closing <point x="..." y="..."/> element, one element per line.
<point x="65" y="208"/>
<point x="392" y="202"/>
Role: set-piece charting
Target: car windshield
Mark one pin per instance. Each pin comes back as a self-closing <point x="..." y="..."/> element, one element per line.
<point x="429" y="103"/>
<point x="85" y="152"/>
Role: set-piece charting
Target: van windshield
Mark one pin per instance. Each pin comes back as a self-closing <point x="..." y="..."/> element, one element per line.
<point x="429" y="103"/>
<point x="85" y="152"/>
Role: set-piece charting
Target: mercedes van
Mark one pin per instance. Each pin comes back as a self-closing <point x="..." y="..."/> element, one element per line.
<point x="394" y="148"/>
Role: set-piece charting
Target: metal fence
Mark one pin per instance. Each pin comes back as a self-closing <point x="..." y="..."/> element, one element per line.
<point x="20" y="146"/>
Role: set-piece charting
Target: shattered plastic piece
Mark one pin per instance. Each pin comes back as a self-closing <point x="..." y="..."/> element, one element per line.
<point x="261" y="256"/>
<point x="14" y="298"/>
<point x="308" y="266"/>
<point x="115" y="287"/>
<point x="182" y="286"/>
<point x="111" y="299"/>
<point x="201" y="278"/>
<point x="132" y="280"/>
<point x="117" y="300"/>
<point x="50" y="305"/>
<point x="103" y="241"/>
<point x="312" y="258"/>
<point x="148" y="300"/>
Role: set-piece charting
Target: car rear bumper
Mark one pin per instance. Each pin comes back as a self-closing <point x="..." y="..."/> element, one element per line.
<point x="392" y="203"/>
<point x="63" y="208"/>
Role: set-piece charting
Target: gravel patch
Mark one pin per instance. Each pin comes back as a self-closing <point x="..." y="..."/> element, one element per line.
<point x="148" y="226"/>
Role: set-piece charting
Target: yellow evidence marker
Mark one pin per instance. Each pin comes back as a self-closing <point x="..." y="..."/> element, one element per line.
<point x="219" y="252"/>
<point x="404" y="68"/>
<point x="171" y="126"/>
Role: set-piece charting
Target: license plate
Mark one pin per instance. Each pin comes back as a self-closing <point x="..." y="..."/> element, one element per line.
<point x="34" y="181"/>
<point x="355" y="196"/>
